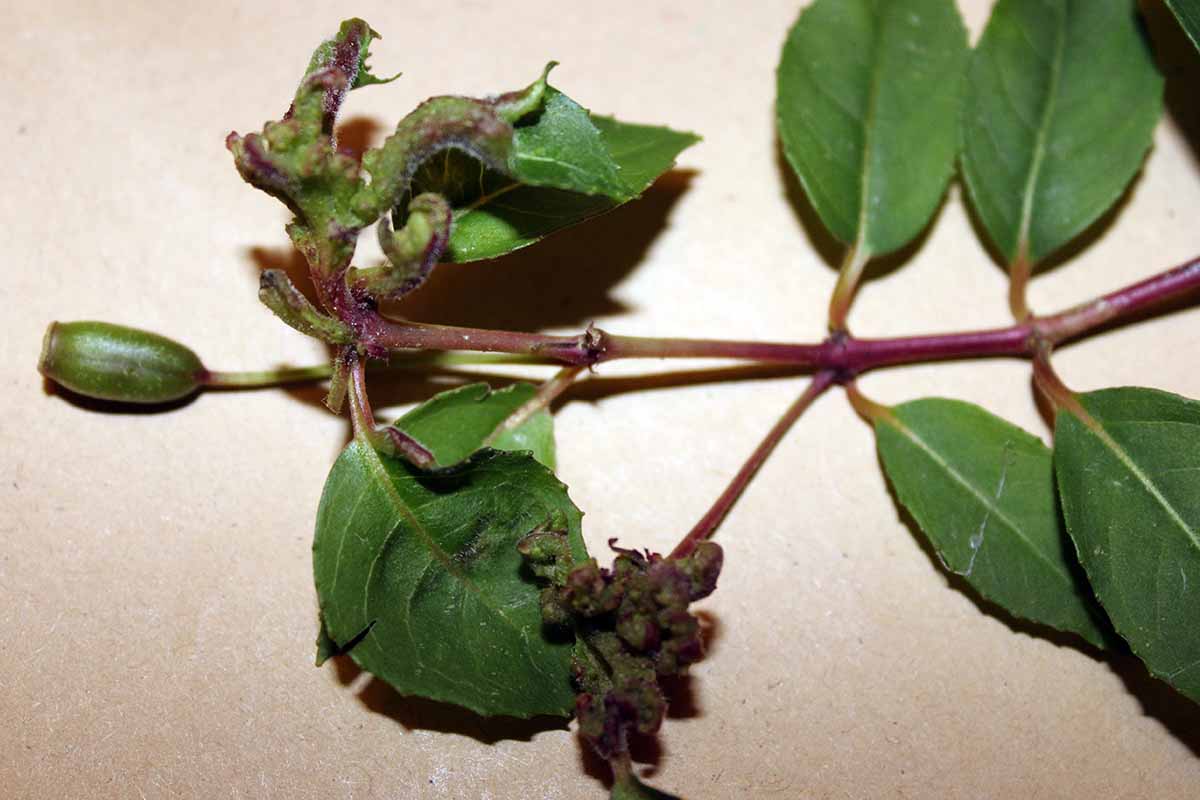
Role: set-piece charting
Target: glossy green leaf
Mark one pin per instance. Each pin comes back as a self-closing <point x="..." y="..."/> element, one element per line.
<point x="1128" y="466"/>
<point x="567" y="166"/>
<point x="1188" y="14"/>
<point x="456" y="423"/>
<point x="1062" y="100"/>
<point x="868" y="99"/>
<point x="982" y="491"/>
<point x="418" y="574"/>
<point x="562" y="149"/>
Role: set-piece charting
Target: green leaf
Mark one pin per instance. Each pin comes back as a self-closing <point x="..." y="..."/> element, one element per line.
<point x="418" y="573"/>
<point x="562" y="149"/>
<point x="867" y="106"/>
<point x="1128" y="466"/>
<point x="425" y="569"/>
<point x="1188" y="14"/>
<point x="582" y="166"/>
<point x="454" y="424"/>
<point x="982" y="491"/>
<point x="643" y="152"/>
<point x="1062" y="100"/>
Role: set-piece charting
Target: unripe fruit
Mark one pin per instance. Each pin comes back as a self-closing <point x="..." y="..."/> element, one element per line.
<point x="112" y="362"/>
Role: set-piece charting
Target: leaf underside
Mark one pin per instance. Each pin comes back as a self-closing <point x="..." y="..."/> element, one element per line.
<point x="567" y="165"/>
<point x="1061" y="104"/>
<point x="982" y="491"/>
<point x="868" y="96"/>
<point x="419" y="571"/>
<point x="1129" y="477"/>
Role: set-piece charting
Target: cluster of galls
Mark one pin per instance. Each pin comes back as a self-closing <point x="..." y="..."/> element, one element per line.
<point x="632" y="626"/>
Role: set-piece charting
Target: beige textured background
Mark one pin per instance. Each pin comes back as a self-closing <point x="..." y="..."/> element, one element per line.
<point x="156" y="601"/>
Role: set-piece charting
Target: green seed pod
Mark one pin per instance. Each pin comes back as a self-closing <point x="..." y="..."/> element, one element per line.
<point x="112" y="362"/>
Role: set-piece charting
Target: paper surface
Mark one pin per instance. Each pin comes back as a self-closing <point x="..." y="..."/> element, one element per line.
<point x="156" y="596"/>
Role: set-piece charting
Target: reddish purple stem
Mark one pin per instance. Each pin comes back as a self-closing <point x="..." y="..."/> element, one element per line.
<point x="713" y="517"/>
<point x="843" y="355"/>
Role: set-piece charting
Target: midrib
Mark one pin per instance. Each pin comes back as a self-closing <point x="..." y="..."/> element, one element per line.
<point x="1039" y="146"/>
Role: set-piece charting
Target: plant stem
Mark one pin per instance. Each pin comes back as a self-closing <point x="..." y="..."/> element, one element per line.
<point x="847" y="283"/>
<point x="591" y="347"/>
<point x="388" y="439"/>
<point x="867" y="408"/>
<point x="712" y="518"/>
<point x="265" y="378"/>
<point x="1124" y="304"/>
<point x="1052" y="387"/>
<point x="1019" y="272"/>
<point x="404" y="361"/>
<point x="841" y="353"/>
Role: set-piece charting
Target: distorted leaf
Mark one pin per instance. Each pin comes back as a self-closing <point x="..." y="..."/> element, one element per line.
<point x="1061" y="104"/>
<point x="1128" y="467"/>
<point x="567" y="166"/>
<point x="418" y="573"/>
<point x="868" y="99"/>
<point x="982" y="491"/>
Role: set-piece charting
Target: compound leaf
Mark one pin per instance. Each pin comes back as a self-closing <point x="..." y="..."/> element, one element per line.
<point x="868" y="100"/>
<point x="1062" y="100"/>
<point x="982" y="491"/>
<point x="1128" y="467"/>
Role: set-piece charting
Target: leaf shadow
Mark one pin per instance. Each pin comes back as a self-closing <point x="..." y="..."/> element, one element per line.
<point x="356" y="134"/>
<point x="1180" y="716"/>
<point x="1179" y="63"/>
<point x="400" y="388"/>
<point x="825" y="244"/>
<point x="565" y="280"/>
<point x="418" y="713"/>
<point x="96" y="405"/>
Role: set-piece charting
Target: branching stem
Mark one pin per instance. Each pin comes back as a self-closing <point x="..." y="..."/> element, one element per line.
<point x="387" y="439"/>
<point x="841" y="353"/>
<point x="265" y="378"/>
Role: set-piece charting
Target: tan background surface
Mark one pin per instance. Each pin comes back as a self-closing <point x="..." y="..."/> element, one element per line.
<point x="156" y="601"/>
